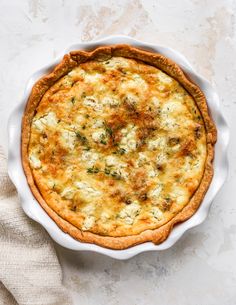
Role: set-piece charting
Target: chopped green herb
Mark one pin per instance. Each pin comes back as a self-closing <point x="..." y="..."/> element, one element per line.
<point x="93" y="170"/>
<point x="108" y="130"/>
<point x="116" y="175"/>
<point x="83" y="127"/>
<point x="81" y="137"/>
<point x="83" y="95"/>
<point x="103" y="142"/>
<point x="107" y="171"/>
<point x="103" y="139"/>
<point x="87" y="116"/>
<point x="121" y="151"/>
<point x="73" y="100"/>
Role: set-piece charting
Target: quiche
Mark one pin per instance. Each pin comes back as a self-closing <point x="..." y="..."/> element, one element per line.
<point x="117" y="145"/>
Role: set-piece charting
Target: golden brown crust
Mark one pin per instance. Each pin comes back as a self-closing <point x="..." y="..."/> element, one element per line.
<point x="102" y="53"/>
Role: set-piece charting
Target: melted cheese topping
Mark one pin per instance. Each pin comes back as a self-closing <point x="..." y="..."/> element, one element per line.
<point x="117" y="147"/>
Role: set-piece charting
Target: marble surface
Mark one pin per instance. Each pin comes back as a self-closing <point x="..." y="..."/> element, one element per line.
<point x="200" y="269"/>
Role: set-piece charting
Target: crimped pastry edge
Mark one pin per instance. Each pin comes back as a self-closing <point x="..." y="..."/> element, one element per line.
<point x="72" y="60"/>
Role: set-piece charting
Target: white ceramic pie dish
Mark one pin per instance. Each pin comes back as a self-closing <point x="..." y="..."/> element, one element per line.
<point x="34" y="210"/>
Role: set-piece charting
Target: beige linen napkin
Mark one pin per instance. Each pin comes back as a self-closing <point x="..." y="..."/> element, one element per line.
<point x="30" y="272"/>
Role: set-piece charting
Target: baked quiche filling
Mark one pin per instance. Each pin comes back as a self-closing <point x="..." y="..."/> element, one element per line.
<point x="117" y="147"/>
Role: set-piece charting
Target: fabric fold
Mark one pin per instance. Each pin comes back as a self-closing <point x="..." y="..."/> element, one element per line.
<point x="29" y="267"/>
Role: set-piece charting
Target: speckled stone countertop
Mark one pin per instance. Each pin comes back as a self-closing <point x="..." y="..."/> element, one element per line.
<point x="200" y="269"/>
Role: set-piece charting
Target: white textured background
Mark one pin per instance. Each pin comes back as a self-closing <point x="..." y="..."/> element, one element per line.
<point x="201" y="268"/>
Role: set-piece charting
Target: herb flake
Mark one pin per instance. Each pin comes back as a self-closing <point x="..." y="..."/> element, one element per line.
<point x="93" y="170"/>
<point x="81" y="138"/>
<point x="73" y="100"/>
